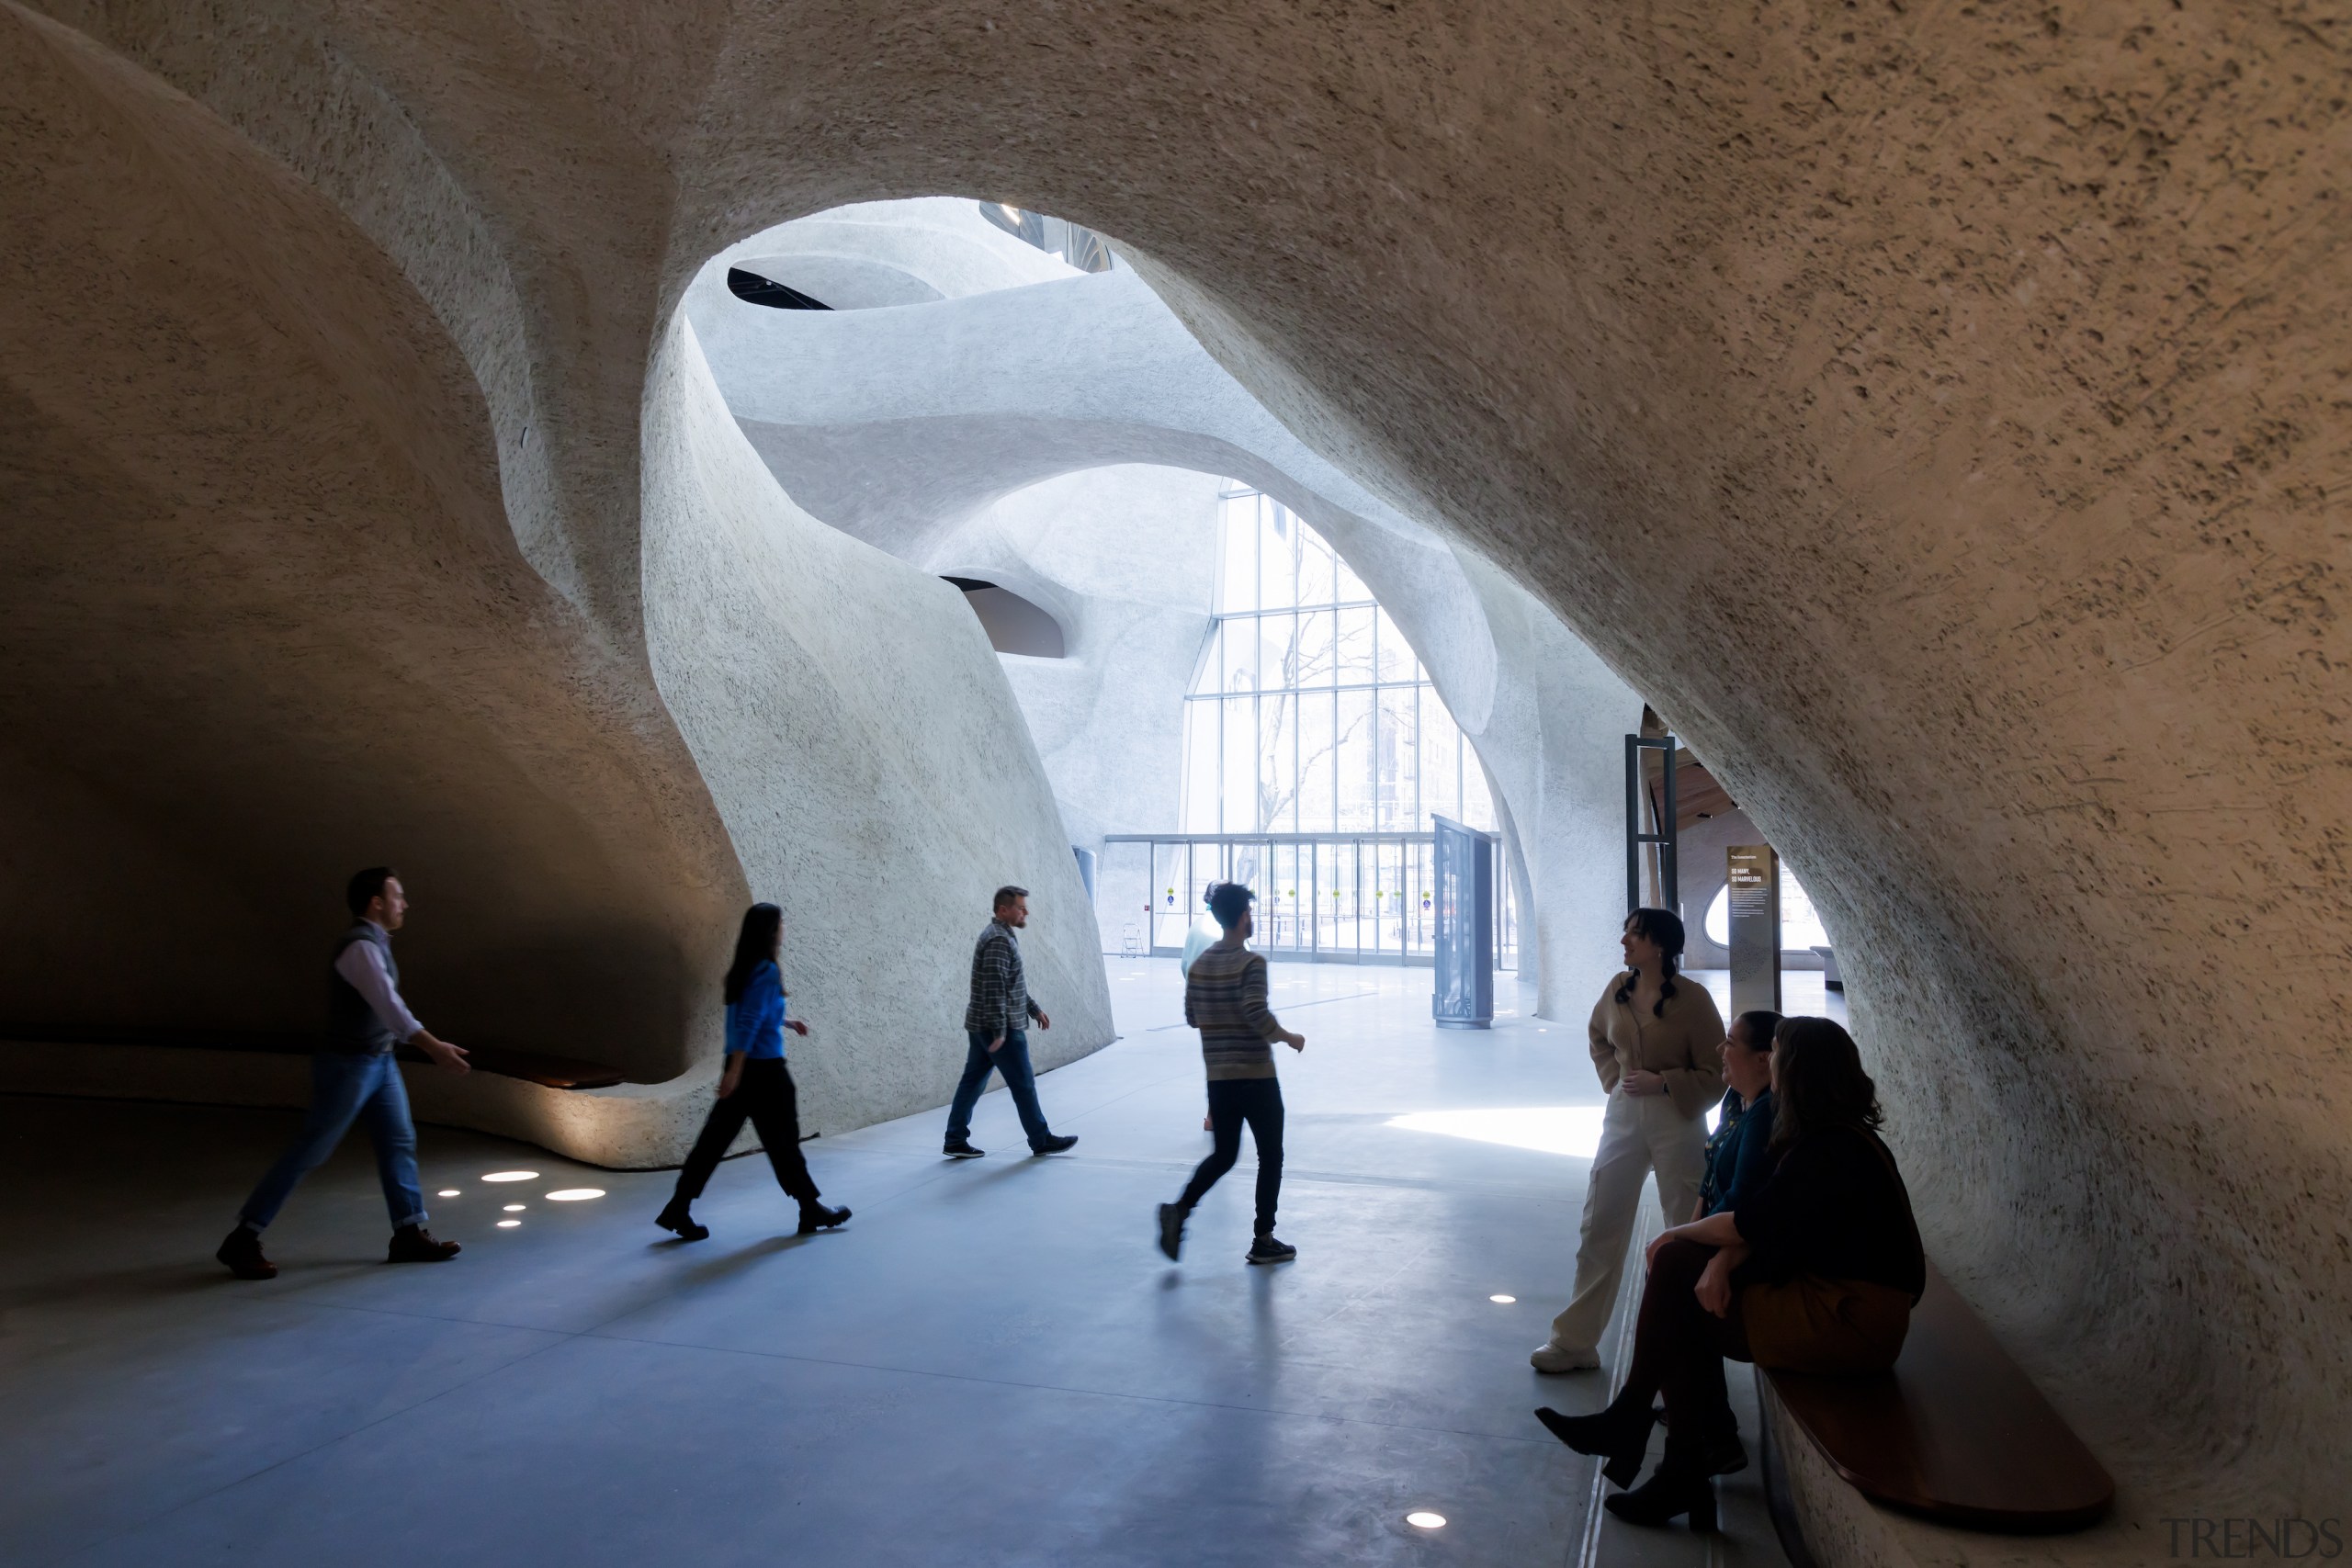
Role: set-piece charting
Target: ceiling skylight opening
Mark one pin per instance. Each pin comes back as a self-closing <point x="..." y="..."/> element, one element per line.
<point x="1081" y="248"/>
<point x="755" y="290"/>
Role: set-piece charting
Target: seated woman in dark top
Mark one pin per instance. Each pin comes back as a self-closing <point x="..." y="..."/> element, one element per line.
<point x="1815" y="1271"/>
<point x="1738" y="1155"/>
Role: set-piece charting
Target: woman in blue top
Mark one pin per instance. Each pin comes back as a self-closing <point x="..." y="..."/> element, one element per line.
<point x="1738" y="1160"/>
<point x="755" y="1085"/>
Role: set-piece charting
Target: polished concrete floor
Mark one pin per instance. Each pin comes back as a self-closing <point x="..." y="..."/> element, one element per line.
<point x="992" y="1364"/>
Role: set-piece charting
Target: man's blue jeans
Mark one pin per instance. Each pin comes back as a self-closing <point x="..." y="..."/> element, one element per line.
<point x="1011" y="1059"/>
<point x="345" y="1086"/>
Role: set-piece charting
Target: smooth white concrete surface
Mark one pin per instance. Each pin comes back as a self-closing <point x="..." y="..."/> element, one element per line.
<point x="937" y="432"/>
<point x="1125" y="557"/>
<point x="879" y="253"/>
<point x="865" y="751"/>
<point x="991" y="1364"/>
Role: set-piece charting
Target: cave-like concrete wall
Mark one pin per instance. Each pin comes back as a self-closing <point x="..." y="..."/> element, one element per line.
<point x="280" y="607"/>
<point x="912" y="427"/>
<point x="1936" y="412"/>
<point x="267" y="621"/>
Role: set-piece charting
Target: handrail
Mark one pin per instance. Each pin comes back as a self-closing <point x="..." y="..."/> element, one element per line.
<point x="1393" y="836"/>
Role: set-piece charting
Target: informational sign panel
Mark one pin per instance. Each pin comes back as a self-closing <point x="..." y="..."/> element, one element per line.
<point x="1463" y="923"/>
<point x="1754" y="872"/>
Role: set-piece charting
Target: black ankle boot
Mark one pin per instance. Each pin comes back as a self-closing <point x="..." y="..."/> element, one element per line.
<point x="1677" y="1487"/>
<point x="816" y="1217"/>
<point x="675" y="1218"/>
<point x="1618" y="1435"/>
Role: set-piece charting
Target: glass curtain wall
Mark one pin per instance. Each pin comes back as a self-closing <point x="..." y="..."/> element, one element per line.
<point x="1308" y="711"/>
<point x="1317" y="755"/>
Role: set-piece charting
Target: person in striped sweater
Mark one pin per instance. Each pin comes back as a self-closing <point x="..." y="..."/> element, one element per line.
<point x="1225" y="998"/>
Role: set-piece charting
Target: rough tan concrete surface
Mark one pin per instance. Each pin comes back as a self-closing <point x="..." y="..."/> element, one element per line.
<point x="627" y="1127"/>
<point x="1938" y="411"/>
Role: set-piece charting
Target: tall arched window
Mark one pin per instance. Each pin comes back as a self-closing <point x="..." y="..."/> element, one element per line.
<point x="1308" y="711"/>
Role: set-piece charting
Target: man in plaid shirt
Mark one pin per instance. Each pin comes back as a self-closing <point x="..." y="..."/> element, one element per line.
<point x="996" y="1028"/>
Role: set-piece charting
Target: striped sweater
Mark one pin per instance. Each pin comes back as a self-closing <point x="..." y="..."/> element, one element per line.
<point x="1225" y="998"/>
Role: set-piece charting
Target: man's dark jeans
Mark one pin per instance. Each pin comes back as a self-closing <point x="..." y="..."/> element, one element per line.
<point x="1011" y="1059"/>
<point x="1232" y="1101"/>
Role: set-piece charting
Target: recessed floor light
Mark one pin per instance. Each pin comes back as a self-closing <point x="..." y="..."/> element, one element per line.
<point x="511" y="1175"/>
<point x="514" y="1208"/>
<point x="448" y="1192"/>
<point x="576" y="1194"/>
<point x="508" y="1224"/>
<point x="1421" y="1518"/>
<point x="1502" y="1300"/>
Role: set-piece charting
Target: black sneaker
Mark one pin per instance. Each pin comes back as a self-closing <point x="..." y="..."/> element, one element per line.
<point x="961" y="1148"/>
<point x="1056" y="1145"/>
<point x="1266" y="1249"/>
<point x="1171" y="1230"/>
<point x="241" y="1253"/>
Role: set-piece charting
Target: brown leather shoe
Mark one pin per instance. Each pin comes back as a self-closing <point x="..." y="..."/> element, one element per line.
<point x="241" y="1253"/>
<point x="414" y="1244"/>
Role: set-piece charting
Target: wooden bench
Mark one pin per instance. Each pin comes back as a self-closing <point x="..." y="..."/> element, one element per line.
<point x="1956" y="1433"/>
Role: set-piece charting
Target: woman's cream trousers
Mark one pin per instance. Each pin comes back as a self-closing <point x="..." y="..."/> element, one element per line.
<point x="1638" y="1135"/>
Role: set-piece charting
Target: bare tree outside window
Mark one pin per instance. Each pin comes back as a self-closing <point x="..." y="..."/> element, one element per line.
<point x="1296" y="630"/>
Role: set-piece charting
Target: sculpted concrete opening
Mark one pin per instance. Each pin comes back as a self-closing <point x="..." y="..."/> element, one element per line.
<point x="1059" y="434"/>
<point x="1014" y="625"/>
<point x="1971" y="376"/>
<point x="753" y="289"/>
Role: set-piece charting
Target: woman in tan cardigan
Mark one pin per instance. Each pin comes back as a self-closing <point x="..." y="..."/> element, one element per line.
<point x="1658" y="1043"/>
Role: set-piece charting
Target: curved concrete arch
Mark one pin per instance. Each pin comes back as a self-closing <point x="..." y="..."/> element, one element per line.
<point x="1094" y="355"/>
<point x="384" y="652"/>
<point x="842" y="283"/>
<point x="1129" y="552"/>
<point x="897" y="430"/>
<point x="338" y="633"/>
<point x="1044" y="593"/>
<point x="902" y="430"/>
<point x="1969" y="376"/>
<point x="939" y="472"/>
<point x="940" y="242"/>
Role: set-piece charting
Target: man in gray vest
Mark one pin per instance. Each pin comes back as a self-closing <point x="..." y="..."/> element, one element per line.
<point x="354" y="1074"/>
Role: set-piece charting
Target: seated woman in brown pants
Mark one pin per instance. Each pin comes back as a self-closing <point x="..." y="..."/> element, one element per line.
<point x="1816" y="1271"/>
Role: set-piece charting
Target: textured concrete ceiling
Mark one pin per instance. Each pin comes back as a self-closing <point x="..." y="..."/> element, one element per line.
<point x="1936" y="412"/>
